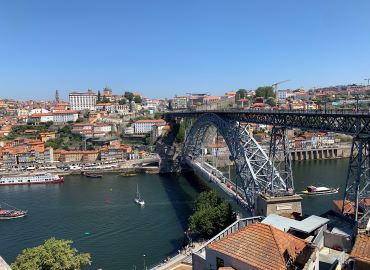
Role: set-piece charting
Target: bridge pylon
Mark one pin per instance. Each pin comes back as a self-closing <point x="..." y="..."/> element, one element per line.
<point x="279" y="154"/>
<point x="357" y="191"/>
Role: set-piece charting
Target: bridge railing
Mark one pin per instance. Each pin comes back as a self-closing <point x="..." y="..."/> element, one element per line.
<point x="274" y="110"/>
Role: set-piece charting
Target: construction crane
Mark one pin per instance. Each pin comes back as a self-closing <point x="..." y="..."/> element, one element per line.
<point x="275" y="85"/>
<point x="368" y="81"/>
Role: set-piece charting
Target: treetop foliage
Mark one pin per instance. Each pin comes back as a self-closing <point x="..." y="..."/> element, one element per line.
<point x="211" y="214"/>
<point x="52" y="255"/>
<point x="265" y="92"/>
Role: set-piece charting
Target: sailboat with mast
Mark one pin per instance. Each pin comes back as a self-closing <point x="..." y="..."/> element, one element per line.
<point x="138" y="199"/>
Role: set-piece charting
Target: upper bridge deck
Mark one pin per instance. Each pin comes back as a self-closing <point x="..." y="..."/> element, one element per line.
<point x="348" y="122"/>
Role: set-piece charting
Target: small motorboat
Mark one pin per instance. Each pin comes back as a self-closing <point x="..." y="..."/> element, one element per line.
<point x="314" y="191"/>
<point x="138" y="198"/>
<point x="13" y="213"/>
<point x="93" y="175"/>
<point x="128" y="174"/>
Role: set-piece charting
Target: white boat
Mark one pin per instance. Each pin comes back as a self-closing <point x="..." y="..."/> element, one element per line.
<point x="314" y="191"/>
<point x="138" y="198"/>
<point x="29" y="179"/>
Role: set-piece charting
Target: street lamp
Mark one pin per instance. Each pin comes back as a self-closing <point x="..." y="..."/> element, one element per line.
<point x="144" y="262"/>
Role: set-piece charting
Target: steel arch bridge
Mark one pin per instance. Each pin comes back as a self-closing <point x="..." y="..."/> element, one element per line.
<point x="255" y="170"/>
<point x="248" y="156"/>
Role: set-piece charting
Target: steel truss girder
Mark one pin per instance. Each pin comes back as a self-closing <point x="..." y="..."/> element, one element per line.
<point x="279" y="154"/>
<point x="348" y="123"/>
<point x="253" y="167"/>
<point x="358" y="178"/>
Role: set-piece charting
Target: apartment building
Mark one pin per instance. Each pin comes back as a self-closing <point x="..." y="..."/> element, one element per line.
<point x="145" y="126"/>
<point x="82" y="101"/>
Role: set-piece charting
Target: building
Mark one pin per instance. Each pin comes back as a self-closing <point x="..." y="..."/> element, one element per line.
<point x="261" y="246"/>
<point x="88" y="130"/>
<point x="45" y="136"/>
<point x="82" y="101"/>
<point x="66" y="116"/>
<point x="76" y="155"/>
<point x="360" y="255"/>
<point x="145" y="126"/>
<point x="179" y="102"/>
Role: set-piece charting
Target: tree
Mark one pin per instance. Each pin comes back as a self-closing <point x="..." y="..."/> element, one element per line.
<point x="211" y="214"/>
<point x="137" y="99"/>
<point x="129" y="96"/>
<point x="265" y="92"/>
<point x="99" y="96"/>
<point x="240" y="94"/>
<point x="271" y="101"/>
<point x="52" y="255"/>
<point x="122" y="101"/>
<point x="180" y="136"/>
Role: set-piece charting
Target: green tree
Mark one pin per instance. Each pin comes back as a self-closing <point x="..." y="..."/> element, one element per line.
<point x="129" y="96"/>
<point x="265" y="92"/>
<point x="52" y="255"/>
<point x="240" y="94"/>
<point x="99" y="96"/>
<point x="211" y="214"/>
<point x="180" y="136"/>
<point x="122" y="101"/>
<point x="271" y="101"/>
<point x="137" y="99"/>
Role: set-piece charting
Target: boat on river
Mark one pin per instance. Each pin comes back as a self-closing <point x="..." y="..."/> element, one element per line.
<point x="128" y="174"/>
<point x="314" y="191"/>
<point x="11" y="214"/>
<point x="93" y="175"/>
<point x="28" y="179"/>
<point x="138" y="200"/>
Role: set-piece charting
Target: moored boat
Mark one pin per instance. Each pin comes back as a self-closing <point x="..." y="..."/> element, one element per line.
<point x="93" y="175"/>
<point x="313" y="191"/>
<point x="28" y="179"/>
<point x="128" y="174"/>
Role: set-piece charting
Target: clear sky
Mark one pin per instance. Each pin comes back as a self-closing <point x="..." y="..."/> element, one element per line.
<point x="166" y="47"/>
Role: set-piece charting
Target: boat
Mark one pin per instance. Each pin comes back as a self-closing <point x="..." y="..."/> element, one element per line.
<point x="11" y="214"/>
<point x="29" y="179"/>
<point x="138" y="198"/>
<point x="314" y="191"/>
<point x="128" y="174"/>
<point x="93" y="175"/>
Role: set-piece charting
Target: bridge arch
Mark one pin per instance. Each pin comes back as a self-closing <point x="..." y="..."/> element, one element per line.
<point x="254" y="170"/>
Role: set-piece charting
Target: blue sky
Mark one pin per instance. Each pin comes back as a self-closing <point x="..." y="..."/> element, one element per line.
<point x="167" y="47"/>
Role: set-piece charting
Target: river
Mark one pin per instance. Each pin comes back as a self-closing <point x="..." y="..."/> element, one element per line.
<point x="101" y="218"/>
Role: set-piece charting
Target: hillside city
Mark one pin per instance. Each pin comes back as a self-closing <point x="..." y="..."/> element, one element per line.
<point x="106" y="127"/>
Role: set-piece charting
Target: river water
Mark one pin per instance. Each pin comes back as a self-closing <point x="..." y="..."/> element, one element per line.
<point x="102" y="219"/>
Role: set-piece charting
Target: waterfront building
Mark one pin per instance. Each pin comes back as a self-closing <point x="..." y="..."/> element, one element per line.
<point x="261" y="246"/>
<point x="111" y="152"/>
<point x="145" y="126"/>
<point x="83" y="101"/>
<point x="76" y="155"/>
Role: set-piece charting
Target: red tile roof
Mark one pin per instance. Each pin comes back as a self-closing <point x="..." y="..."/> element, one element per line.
<point x="260" y="245"/>
<point x="361" y="249"/>
<point x="151" y="121"/>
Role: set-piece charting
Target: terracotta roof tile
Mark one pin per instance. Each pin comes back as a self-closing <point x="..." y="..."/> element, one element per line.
<point x="361" y="249"/>
<point x="260" y="245"/>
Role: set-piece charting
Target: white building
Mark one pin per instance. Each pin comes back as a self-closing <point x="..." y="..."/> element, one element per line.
<point x="42" y="117"/>
<point x="145" y="126"/>
<point x="38" y="110"/>
<point x="83" y="101"/>
<point x="65" y="116"/>
<point x="282" y="94"/>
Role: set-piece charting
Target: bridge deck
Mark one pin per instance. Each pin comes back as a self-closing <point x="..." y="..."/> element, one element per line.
<point x="352" y="123"/>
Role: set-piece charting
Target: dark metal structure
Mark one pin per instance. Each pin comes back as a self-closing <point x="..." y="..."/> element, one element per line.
<point x="275" y="168"/>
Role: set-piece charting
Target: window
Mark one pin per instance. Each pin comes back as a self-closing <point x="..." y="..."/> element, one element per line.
<point x="219" y="263"/>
